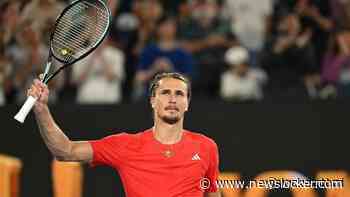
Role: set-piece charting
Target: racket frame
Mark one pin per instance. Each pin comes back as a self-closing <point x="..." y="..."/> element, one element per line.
<point x="48" y="77"/>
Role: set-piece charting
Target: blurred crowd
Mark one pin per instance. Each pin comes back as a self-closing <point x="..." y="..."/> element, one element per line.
<point x="235" y="50"/>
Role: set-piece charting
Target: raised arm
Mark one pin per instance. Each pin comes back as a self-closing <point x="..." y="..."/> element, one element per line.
<point x="57" y="142"/>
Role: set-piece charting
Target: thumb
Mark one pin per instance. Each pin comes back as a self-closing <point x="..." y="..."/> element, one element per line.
<point x="41" y="77"/>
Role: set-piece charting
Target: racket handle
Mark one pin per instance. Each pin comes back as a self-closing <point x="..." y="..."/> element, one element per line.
<point x="27" y="106"/>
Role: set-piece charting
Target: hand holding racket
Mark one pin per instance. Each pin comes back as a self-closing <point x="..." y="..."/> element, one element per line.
<point x="40" y="91"/>
<point x="79" y="29"/>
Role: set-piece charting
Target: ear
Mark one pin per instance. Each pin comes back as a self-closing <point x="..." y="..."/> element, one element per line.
<point x="152" y="101"/>
<point x="188" y="105"/>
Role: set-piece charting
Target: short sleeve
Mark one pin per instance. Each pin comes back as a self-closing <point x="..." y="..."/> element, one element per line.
<point x="109" y="150"/>
<point x="213" y="169"/>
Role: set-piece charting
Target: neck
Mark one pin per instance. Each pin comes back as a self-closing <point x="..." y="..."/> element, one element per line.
<point x="167" y="133"/>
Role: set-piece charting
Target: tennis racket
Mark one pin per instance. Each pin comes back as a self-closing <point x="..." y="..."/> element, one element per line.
<point x="78" y="30"/>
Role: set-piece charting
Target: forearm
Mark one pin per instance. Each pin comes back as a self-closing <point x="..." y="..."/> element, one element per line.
<point x="325" y="23"/>
<point x="57" y="142"/>
<point x="283" y="44"/>
<point x="193" y="46"/>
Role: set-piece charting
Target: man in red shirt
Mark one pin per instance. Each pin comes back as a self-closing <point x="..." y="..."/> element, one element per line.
<point x="164" y="161"/>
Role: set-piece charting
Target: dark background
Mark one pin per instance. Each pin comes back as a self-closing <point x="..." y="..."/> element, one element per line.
<point x="252" y="137"/>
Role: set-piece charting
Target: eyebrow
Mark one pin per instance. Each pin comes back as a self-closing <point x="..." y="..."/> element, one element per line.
<point x="164" y="90"/>
<point x="180" y="92"/>
<point x="168" y="90"/>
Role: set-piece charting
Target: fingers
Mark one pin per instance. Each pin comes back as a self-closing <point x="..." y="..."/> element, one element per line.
<point x="39" y="81"/>
<point x="38" y="88"/>
<point x="34" y="91"/>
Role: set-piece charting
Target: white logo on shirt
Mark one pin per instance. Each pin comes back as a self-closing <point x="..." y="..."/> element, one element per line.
<point x="196" y="157"/>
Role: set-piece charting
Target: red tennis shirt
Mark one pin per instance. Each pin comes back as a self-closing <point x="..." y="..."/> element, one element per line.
<point x="149" y="168"/>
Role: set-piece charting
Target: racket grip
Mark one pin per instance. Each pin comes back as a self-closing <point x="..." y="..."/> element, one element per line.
<point x="27" y="106"/>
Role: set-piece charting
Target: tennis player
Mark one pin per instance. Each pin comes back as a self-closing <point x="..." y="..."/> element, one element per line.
<point x="165" y="160"/>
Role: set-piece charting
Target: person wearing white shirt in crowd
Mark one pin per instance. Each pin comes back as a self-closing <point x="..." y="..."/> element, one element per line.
<point x="241" y="82"/>
<point x="99" y="76"/>
<point x="250" y="20"/>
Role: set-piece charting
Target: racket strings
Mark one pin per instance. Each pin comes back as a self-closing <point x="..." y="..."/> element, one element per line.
<point x="79" y="30"/>
<point x="79" y="36"/>
<point x="66" y="27"/>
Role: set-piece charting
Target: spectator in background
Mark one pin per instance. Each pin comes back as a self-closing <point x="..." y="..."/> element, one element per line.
<point x="163" y="56"/>
<point x="113" y="6"/>
<point x="335" y="64"/>
<point x="99" y="76"/>
<point x="5" y="70"/>
<point x="41" y="14"/>
<point x="344" y="77"/>
<point x="133" y="30"/>
<point x="336" y="57"/>
<point x="250" y="22"/>
<point x="9" y="25"/>
<point x="148" y="13"/>
<point x="125" y="35"/>
<point x="207" y="37"/>
<point x="9" y="19"/>
<point x="241" y="82"/>
<point x="289" y="58"/>
<point x="340" y="12"/>
<point x="184" y="15"/>
<point x="315" y="16"/>
<point x="29" y="54"/>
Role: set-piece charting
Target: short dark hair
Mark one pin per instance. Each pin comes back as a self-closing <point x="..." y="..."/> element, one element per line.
<point x="166" y="18"/>
<point x="155" y="82"/>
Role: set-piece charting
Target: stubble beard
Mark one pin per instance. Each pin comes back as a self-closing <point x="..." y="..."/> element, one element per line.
<point x="170" y="120"/>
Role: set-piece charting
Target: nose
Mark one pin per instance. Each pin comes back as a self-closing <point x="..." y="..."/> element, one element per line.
<point x="172" y="98"/>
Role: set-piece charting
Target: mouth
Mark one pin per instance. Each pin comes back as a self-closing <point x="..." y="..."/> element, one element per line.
<point x="171" y="108"/>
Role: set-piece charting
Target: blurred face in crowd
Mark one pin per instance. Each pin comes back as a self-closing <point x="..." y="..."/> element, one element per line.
<point x="339" y="42"/>
<point x="147" y="10"/>
<point x="344" y="36"/>
<point x="10" y="14"/>
<point x="170" y="101"/>
<point x="205" y="11"/>
<point x="241" y="69"/>
<point x="184" y="9"/>
<point x="27" y="36"/>
<point x="167" y="29"/>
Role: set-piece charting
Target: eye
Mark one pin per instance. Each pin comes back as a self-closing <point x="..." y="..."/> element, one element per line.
<point x="179" y="93"/>
<point x="164" y="92"/>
